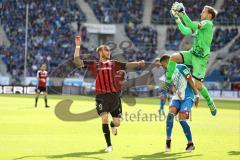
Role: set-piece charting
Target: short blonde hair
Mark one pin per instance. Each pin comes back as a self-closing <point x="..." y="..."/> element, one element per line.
<point x="101" y="47"/>
<point x="157" y="59"/>
<point x="212" y="11"/>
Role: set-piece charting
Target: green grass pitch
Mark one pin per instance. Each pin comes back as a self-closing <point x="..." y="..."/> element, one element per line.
<point x="27" y="133"/>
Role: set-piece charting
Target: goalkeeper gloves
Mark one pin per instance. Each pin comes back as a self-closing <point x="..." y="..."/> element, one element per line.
<point x="180" y="8"/>
<point x="177" y="9"/>
<point x="174" y="14"/>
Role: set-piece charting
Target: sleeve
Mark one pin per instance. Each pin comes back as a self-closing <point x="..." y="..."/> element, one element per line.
<point x="184" y="30"/>
<point x="38" y="74"/>
<point x="204" y="25"/>
<point x="185" y="71"/>
<point x="189" y="23"/>
<point x="120" y="65"/>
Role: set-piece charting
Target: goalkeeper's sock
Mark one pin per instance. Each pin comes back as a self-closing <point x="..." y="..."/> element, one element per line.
<point x="170" y="70"/>
<point x="186" y="130"/>
<point x="205" y="94"/>
<point x="106" y="132"/>
<point x="169" y="123"/>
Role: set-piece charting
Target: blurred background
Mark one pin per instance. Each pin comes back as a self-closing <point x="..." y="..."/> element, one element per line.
<point x="33" y="32"/>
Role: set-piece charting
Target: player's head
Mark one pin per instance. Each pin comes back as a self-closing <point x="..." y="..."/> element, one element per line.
<point x="157" y="62"/>
<point x="43" y="67"/>
<point x="164" y="60"/>
<point x="208" y="13"/>
<point x="103" y="52"/>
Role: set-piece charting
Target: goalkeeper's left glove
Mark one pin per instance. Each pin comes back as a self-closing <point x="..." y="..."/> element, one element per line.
<point x="180" y="9"/>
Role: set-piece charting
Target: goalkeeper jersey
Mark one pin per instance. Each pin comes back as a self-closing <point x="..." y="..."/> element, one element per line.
<point x="203" y="35"/>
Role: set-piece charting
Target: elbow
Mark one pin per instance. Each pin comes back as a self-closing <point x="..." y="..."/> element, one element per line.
<point x="186" y="33"/>
<point x="78" y="62"/>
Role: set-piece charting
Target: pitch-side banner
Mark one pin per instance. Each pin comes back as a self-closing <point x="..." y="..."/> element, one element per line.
<point x="101" y="28"/>
<point x="17" y="89"/>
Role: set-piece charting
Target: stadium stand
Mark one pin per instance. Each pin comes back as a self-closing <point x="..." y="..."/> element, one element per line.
<point x="232" y="15"/>
<point x="222" y="37"/>
<point x="144" y="38"/>
<point x="228" y="70"/>
<point x="235" y="46"/>
<point x="115" y="11"/>
<point x="174" y="38"/>
<point x="50" y="33"/>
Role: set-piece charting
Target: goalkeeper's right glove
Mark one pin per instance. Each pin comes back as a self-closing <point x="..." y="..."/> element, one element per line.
<point x="174" y="14"/>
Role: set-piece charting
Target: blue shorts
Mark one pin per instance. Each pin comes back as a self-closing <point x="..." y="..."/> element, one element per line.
<point x="182" y="105"/>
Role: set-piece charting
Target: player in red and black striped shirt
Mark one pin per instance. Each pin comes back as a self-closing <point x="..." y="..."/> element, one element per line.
<point x="107" y="98"/>
<point x="42" y="84"/>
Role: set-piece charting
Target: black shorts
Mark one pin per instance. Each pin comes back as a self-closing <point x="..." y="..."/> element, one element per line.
<point x="110" y="103"/>
<point x="41" y="89"/>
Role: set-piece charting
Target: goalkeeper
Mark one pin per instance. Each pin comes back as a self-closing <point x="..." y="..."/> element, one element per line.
<point x="198" y="55"/>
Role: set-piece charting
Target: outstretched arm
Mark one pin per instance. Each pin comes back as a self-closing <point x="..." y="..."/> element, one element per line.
<point x="135" y="65"/>
<point x="78" y="62"/>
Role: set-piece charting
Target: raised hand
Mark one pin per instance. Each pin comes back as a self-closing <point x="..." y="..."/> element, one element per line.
<point x="78" y="40"/>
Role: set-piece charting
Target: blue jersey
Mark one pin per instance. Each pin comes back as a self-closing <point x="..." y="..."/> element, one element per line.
<point x="180" y="76"/>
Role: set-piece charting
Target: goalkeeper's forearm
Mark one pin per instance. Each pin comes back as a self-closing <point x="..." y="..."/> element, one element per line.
<point x="189" y="23"/>
<point x="184" y="30"/>
<point x="78" y="62"/>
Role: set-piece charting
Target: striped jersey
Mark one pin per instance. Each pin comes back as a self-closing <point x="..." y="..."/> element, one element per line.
<point x="104" y="73"/>
<point x="42" y="78"/>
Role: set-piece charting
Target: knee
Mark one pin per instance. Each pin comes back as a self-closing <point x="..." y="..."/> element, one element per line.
<point x="116" y="123"/>
<point x="173" y="110"/>
<point x="176" y="57"/>
<point x="104" y="117"/>
<point x="183" y="116"/>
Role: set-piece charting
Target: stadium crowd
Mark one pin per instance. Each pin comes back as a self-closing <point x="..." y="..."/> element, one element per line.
<point x="232" y="15"/>
<point x="50" y="34"/>
<point x="231" y="69"/>
<point x="235" y="46"/>
<point x="222" y="37"/>
<point x="114" y="11"/>
<point x="173" y="39"/>
<point x="144" y="38"/>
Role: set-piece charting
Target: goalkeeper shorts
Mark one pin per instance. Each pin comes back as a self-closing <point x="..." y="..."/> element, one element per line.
<point x="199" y="64"/>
